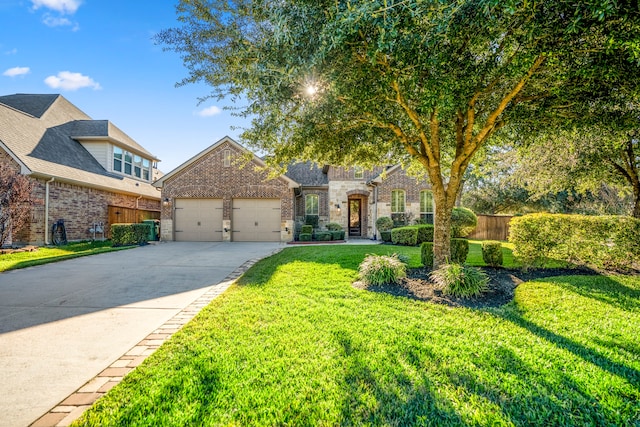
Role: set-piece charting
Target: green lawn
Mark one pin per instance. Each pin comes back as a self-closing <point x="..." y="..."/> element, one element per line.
<point x="295" y="344"/>
<point x="45" y="255"/>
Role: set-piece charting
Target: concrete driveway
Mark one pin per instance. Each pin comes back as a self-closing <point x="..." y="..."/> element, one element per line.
<point x="61" y="324"/>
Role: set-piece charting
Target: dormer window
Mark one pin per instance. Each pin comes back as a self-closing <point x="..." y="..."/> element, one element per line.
<point x="128" y="163"/>
<point x="117" y="159"/>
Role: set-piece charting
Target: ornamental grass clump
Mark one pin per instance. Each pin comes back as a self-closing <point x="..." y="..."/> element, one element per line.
<point x="460" y="280"/>
<point x="382" y="269"/>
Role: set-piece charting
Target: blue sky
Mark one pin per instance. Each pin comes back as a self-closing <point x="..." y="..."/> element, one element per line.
<point x="100" y="55"/>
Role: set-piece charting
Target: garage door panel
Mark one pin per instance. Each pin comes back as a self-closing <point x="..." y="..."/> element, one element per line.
<point x="198" y="220"/>
<point x="256" y="220"/>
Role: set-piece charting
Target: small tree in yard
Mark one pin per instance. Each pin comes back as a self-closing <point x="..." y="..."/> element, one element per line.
<point x="422" y="82"/>
<point x="15" y="201"/>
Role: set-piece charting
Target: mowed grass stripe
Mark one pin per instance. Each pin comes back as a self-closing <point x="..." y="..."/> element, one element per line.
<point x="295" y="344"/>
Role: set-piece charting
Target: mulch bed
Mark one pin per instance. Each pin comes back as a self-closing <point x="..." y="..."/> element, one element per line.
<point x="30" y="248"/>
<point x="502" y="285"/>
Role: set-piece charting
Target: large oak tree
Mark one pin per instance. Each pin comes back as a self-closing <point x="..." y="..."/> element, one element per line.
<point x="423" y="82"/>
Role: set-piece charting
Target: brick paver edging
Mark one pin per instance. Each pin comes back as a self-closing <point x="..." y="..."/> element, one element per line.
<point x="64" y="413"/>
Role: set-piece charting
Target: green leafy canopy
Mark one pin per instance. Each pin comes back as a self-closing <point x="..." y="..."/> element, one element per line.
<point x="426" y="82"/>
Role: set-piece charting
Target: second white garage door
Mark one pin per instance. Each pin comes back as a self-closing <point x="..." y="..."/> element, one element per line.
<point x="256" y="220"/>
<point x="198" y="220"/>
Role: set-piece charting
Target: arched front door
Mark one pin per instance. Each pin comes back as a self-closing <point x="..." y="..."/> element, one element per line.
<point x="355" y="217"/>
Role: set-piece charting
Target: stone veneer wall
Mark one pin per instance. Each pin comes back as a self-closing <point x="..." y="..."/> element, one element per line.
<point x="209" y="178"/>
<point x="339" y="194"/>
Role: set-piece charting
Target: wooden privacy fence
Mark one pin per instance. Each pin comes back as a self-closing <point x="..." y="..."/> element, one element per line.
<point x="118" y="215"/>
<point x="492" y="227"/>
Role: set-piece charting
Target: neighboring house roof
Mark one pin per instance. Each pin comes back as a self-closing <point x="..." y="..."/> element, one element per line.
<point x="226" y="140"/>
<point x="308" y="174"/>
<point x="105" y="130"/>
<point x="42" y="132"/>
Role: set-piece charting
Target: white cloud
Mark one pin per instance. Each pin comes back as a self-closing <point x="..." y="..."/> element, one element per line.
<point x="71" y="81"/>
<point x="62" y="6"/>
<point x="16" y="71"/>
<point x="208" y="112"/>
<point x="54" y="21"/>
<point x="11" y="51"/>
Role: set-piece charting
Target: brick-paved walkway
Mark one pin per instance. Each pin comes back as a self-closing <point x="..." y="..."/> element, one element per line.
<point x="73" y="406"/>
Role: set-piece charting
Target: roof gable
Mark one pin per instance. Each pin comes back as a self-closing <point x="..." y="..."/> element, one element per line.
<point x="226" y="140"/>
<point x="31" y="104"/>
<point x="38" y="132"/>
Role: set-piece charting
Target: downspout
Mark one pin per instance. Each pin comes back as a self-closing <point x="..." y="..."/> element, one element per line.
<point x="375" y="212"/>
<point x="46" y="210"/>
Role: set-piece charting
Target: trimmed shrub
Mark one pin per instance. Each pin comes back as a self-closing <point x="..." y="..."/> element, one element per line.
<point x="492" y="253"/>
<point x="384" y="223"/>
<point x="601" y="241"/>
<point x="400" y="219"/>
<point x="460" y="280"/>
<point x="459" y="250"/>
<point x="337" y="235"/>
<point x="405" y="236"/>
<point x="334" y="226"/>
<point x="129" y="234"/>
<point x="306" y="229"/>
<point x="425" y="233"/>
<point x="305" y="237"/>
<point x="382" y="269"/>
<point x="426" y="254"/>
<point x="385" y="236"/>
<point x="463" y="222"/>
<point x="312" y="220"/>
<point x="323" y="236"/>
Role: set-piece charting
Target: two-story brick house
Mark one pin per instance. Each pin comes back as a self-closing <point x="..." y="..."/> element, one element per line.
<point x="86" y="172"/>
<point x="225" y="193"/>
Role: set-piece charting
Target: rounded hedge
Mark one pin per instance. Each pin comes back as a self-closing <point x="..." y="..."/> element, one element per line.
<point x="463" y="222"/>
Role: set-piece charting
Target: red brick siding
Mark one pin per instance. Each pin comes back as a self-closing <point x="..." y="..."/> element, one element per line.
<point x="398" y="180"/>
<point x="209" y="178"/>
<point x="79" y="206"/>
<point x="323" y="203"/>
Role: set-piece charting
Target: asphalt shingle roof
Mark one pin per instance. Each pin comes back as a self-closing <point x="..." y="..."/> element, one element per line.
<point x="34" y="105"/>
<point x="41" y="131"/>
<point x="307" y="174"/>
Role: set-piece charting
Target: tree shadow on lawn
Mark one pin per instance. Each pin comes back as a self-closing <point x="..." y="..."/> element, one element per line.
<point x="375" y="398"/>
<point x="493" y="389"/>
<point x="606" y="289"/>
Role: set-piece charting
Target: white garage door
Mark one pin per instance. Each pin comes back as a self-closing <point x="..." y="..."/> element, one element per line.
<point x="256" y="220"/>
<point x="198" y="220"/>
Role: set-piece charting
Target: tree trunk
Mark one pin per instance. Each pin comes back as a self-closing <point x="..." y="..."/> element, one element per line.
<point x="636" y="202"/>
<point x="442" y="226"/>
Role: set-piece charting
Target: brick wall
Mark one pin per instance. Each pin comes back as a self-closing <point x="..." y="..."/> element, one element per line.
<point x="79" y="206"/>
<point x="399" y="180"/>
<point x="209" y="178"/>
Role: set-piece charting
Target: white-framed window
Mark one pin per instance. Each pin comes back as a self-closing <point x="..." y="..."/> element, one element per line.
<point x="397" y="201"/>
<point x="117" y="159"/>
<point x="311" y="206"/>
<point x="128" y="163"/>
<point x="358" y="172"/>
<point x="137" y="166"/>
<point x="131" y="164"/>
<point x="226" y="158"/>
<point x="426" y="206"/>
<point x="146" y="169"/>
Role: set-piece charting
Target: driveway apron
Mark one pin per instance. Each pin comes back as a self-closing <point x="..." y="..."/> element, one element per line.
<point x="63" y="323"/>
